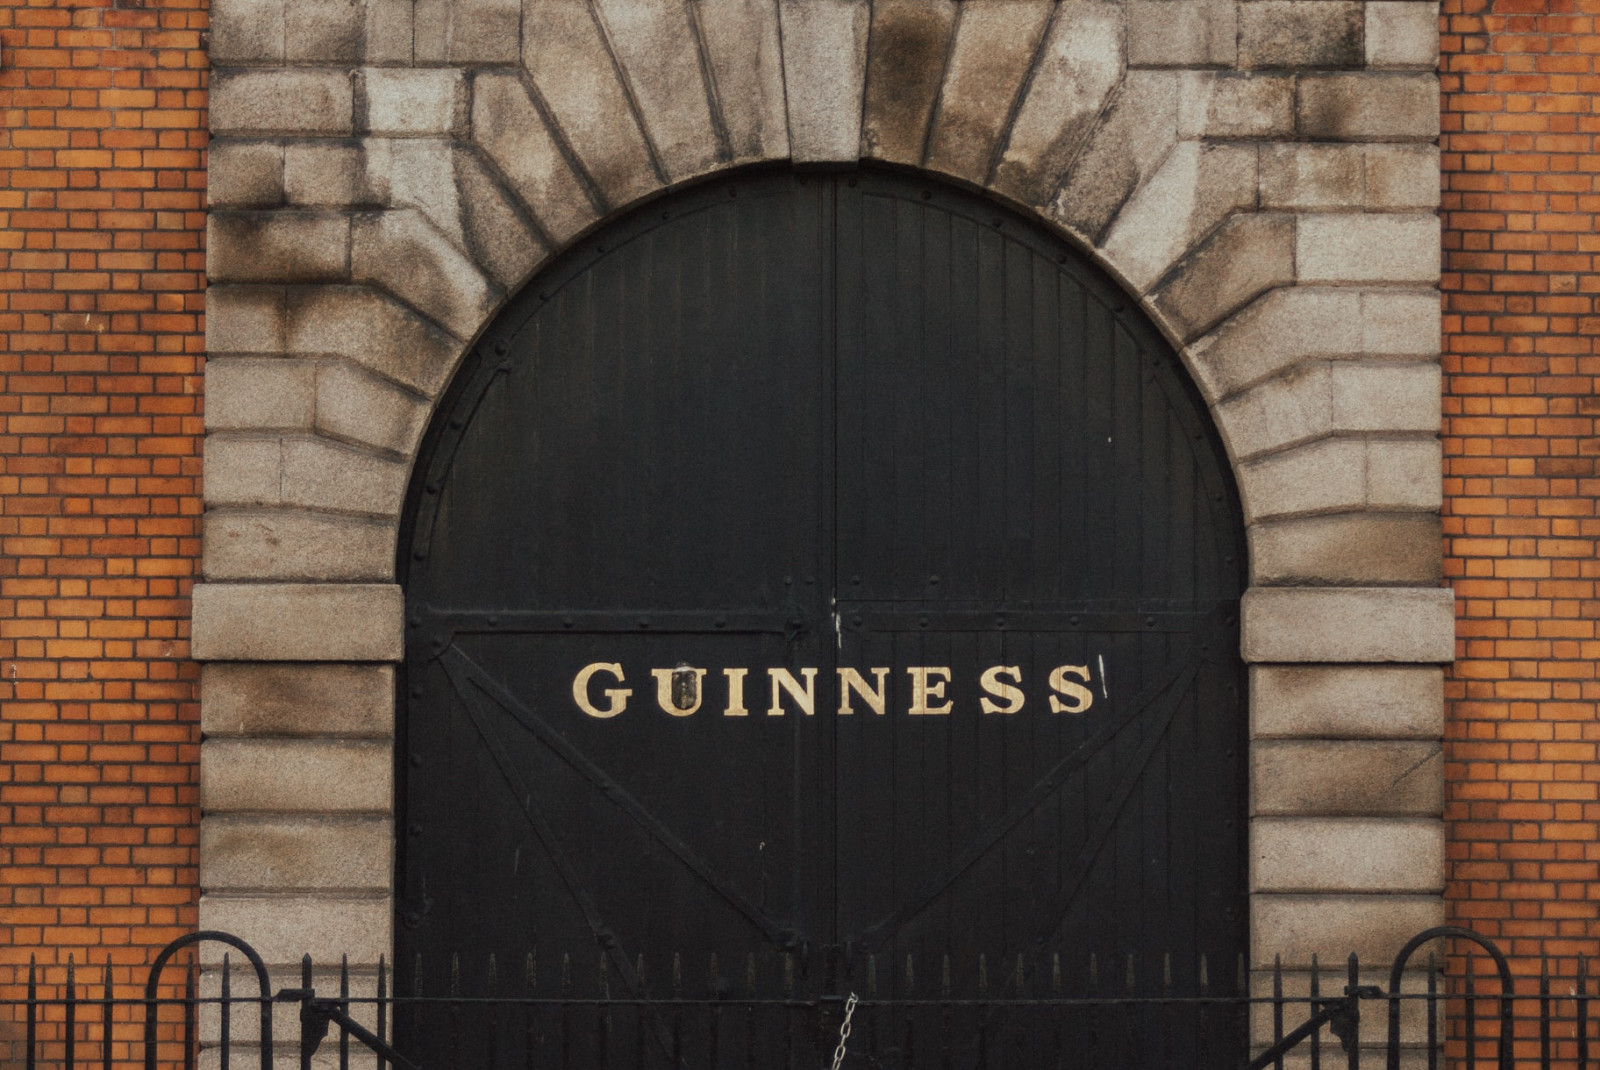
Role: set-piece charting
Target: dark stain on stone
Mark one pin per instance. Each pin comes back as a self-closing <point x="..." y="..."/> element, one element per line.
<point x="904" y="67"/>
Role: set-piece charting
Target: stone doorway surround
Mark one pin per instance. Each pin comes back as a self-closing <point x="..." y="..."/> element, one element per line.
<point x="1261" y="175"/>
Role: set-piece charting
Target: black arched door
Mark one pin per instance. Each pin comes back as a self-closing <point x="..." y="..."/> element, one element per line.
<point x="816" y="576"/>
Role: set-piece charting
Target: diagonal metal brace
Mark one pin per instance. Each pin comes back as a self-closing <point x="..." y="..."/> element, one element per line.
<point x="1341" y="1016"/>
<point x="316" y="1015"/>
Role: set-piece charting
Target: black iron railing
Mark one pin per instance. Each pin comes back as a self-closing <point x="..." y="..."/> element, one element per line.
<point x="579" y="1011"/>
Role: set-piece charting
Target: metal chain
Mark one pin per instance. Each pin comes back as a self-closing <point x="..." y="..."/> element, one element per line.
<point x="844" y="1030"/>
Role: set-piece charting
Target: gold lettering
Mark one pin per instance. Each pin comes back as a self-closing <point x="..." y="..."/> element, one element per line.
<point x="923" y="689"/>
<point x="735" y="693"/>
<point x="678" y="690"/>
<point x="1059" y="682"/>
<point x="806" y="700"/>
<point x="851" y="680"/>
<point x="617" y="695"/>
<point x="997" y="687"/>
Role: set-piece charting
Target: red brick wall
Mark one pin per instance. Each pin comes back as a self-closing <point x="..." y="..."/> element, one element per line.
<point x="1521" y="441"/>
<point x="102" y="149"/>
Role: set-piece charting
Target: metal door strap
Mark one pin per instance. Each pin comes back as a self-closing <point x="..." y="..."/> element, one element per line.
<point x="844" y="1030"/>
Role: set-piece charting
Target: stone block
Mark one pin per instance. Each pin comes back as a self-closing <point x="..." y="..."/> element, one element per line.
<point x="1299" y="34"/>
<point x="569" y="62"/>
<point x="355" y="406"/>
<point x="242" y="469"/>
<point x="404" y="254"/>
<point x="321" y="474"/>
<point x="1369" y="106"/>
<point x="1401" y="322"/>
<point x="1402" y="176"/>
<point x="415" y="172"/>
<point x="496" y="225"/>
<point x="1404" y="474"/>
<point x="1341" y="854"/>
<point x="1195" y="189"/>
<point x="824" y="63"/>
<point x="322" y="173"/>
<point x="1368" y="247"/>
<point x="318" y="776"/>
<point x="286" y="101"/>
<point x="1244" y="258"/>
<point x="244" y="319"/>
<point x="1305" y="176"/>
<point x="323" y="700"/>
<point x="241" y="853"/>
<point x="905" y="60"/>
<point x="1317" y="477"/>
<point x="1287" y="409"/>
<point x="410" y="102"/>
<point x="1235" y="104"/>
<point x="245" y="32"/>
<point x="282" y="246"/>
<point x="1387" y="396"/>
<point x="1079" y="66"/>
<point x="1281" y="329"/>
<point x="1404" y="624"/>
<point x="1347" y="701"/>
<point x="1329" y="777"/>
<point x="746" y="61"/>
<point x="467" y="31"/>
<point x="1402" y="33"/>
<point x="1182" y="33"/>
<point x="277" y="544"/>
<point x="1374" y="927"/>
<point x="259" y="394"/>
<point x="511" y="133"/>
<point x="995" y="42"/>
<point x="324" y="31"/>
<point x="374" y="331"/>
<point x="658" y="50"/>
<point x="391" y="32"/>
<point x="244" y="174"/>
<point x="1347" y="549"/>
<point x="283" y="928"/>
<point x="1139" y="129"/>
<point x="297" y="622"/>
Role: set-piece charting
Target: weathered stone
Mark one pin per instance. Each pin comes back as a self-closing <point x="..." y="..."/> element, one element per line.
<point x="1369" y="106"/>
<point x="283" y="928"/>
<point x="407" y="256"/>
<point x="277" y="246"/>
<point x="246" y="32"/>
<point x="1182" y="33"/>
<point x="297" y="622"/>
<point x="324" y="31"/>
<point x="660" y="58"/>
<point x="1196" y="187"/>
<point x="279" y="544"/>
<point x="321" y="474"/>
<point x="1294" y="407"/>
<point x="1247" y="256"/>
<point x="995" y="42"/>
<point x="824" y="64"/>
<point x="1276" y="332"/>
<point x="244" y="174"/>
<point x="1318" y="477"/>
<point x="1235" y="104"/>
<point x="1373" y="927"/>
<point x="1077" y="70"/>
<point x="267" y="394"/>
<point x="355" y="406"/>
<point x="321" y="173"/>
<point x="905" y="59"/>
<point x="1323" y="854"/>
<point x="324" y="700"/>
<point x="512" y="134"/>
<point x="415" y="172"/>
<point x="391" y="32"/>
<point x="1387" y="396"/>
<point x="746" y="60"/>
<point x="1404" y="624"/>
<point x="277" y="854"/>
<point x="427" y="101"/>
<point x="1312" y="176"/>
<point x="1402" y="33"/>
<point x="1368" y="247"/>
<point x="286" y="101"/>
<point x="570" y="64"/>
<point x="1139" y="129"/>
<point x="1300" y="33"/>
<point x="1347" y="777"/>
<point x="1404" y="474"/>
<point x="1402" y="176"/>
<point x="1347" y="701"/>
<point x="498" y="234"/>
<point x="1347" y="549"/>
<point x="294" y="775"/>
<point x="468" y="31"/>
<point x="1401" y="322"/>
<point x="372" y="330"/>
<point x="244" y="319"/>
<point x="243" y="470"/>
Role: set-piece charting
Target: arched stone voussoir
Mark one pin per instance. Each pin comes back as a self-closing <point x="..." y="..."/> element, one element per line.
<point x="1242" y="259"/>
<point x="1347" y="473"/>
<point x="372" y="329"/>
<point x="745" y="56"/>
<point x="402" y="252"/>
<point x="824" y="67"/>
<point x="1138" y="130"/>
<point x="1347" y="549"/>
<point x="511" y="134"/>
<point x="905" y="59"/>
<point x="1327" y="397"/>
